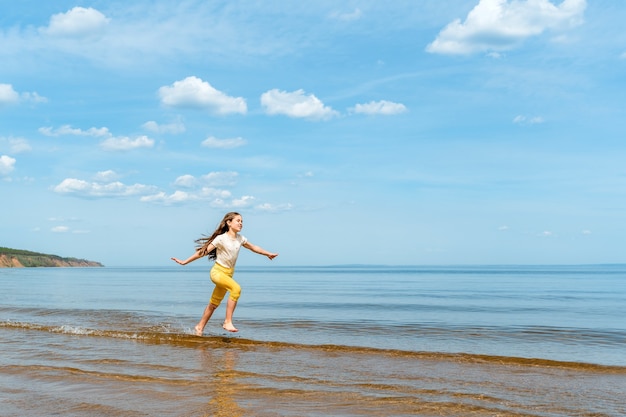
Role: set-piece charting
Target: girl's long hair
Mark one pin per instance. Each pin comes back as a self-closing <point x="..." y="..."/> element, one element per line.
<point x="203" y="243"/>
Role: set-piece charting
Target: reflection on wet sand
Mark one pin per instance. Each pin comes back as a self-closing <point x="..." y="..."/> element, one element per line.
<point x="219" y="366"/>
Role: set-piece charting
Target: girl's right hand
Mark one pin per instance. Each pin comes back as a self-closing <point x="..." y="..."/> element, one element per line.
<point x="178" y="261"/>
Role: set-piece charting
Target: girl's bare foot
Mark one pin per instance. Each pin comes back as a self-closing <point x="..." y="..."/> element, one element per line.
<point x="198" y="330"/>
<point x="229" y="326"/>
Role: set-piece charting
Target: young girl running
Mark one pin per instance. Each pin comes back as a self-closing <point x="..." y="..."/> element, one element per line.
<point x="223" y="246"/>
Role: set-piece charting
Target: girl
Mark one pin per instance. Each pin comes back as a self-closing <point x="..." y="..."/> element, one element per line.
<point x="223" y="246"/>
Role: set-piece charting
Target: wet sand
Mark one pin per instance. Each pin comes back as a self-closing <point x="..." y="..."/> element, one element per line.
<point x="49" y="373"/>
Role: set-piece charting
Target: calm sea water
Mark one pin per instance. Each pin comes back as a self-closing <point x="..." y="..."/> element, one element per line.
<point x="341" y="341"/>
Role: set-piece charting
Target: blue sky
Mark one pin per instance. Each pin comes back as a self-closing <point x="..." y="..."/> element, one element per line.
<point x="369" y="132"/>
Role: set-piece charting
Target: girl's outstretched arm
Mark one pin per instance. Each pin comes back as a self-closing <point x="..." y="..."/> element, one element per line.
<point x="259" y="250"/>
<point x="192" y="257"/>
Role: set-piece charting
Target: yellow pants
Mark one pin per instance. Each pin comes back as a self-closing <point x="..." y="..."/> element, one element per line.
<point x="222" y="277"/>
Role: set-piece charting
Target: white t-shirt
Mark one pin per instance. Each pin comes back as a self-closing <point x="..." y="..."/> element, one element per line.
<point x="228" y="249"/>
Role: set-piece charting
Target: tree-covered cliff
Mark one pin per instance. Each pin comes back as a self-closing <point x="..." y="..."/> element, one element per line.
<point x="17" y="258"/>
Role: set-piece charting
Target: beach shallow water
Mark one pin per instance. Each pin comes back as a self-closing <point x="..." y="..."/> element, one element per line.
<point x="462" y="341"/>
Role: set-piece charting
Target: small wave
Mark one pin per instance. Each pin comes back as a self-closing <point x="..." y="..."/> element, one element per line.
<point x="71" y="330"/>
<point x="188" y="340"/>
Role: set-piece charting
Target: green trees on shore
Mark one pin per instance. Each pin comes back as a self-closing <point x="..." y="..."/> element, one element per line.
<point x="10" y="258"/>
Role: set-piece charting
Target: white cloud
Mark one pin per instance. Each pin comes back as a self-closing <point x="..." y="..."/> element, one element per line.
<point x="295" y="104"/>
<point x="8" y="95"/>
<point x="63" y="219"/>
<point x="142" y="37"/>
<point x="212" y="179"/>
<point x="244" y="201"/>
<point x="192" y="92"/>
<point x="66" y="229"/>
<point x="106" y="176"/>
<point x="213" y="142"/>
<point x="99" y="189"/>
<point x="123" y="143"/>
<point x="237" y="203"/>
<point x="497" y="25"/>
<point x="216" y="198"/>
<point x="528" y="120"/>
<point x="17" y="145"/>
<point x="172" y="128"/>
<point x="586" y="232"/>
<point x="63" y="228"/>
<point x="210" y="192"/>
<point x="178" y="196"/>
<point x="383" y="107"/>
<point x="7" y="164"/>
<point x="111" y="143"/>
<point x="274" y="207"/>
<point x="33" y="98"/>
<point x="77" y="22"/>
<point x="356" y="14"/>
<point x="69" y="130"/>
<point x="187" y="181"/>
<point x="220" y="178"/>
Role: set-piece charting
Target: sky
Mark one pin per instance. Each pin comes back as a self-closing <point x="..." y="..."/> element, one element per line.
<point x="405" y="132"/>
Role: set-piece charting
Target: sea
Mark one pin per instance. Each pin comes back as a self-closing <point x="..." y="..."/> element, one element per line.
<point x="315" y="341"/>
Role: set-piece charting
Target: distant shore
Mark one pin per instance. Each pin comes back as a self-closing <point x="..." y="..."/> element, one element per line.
<point x="17" y="258"/>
